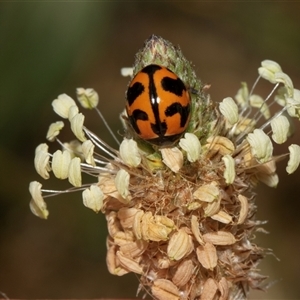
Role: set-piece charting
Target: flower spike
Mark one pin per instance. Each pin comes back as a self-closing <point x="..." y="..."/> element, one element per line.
<point x="179" y="200"/>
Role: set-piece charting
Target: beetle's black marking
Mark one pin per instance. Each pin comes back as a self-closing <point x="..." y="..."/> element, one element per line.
<point x="175" y="108"/>
<point x="175" y="86"/>
<point x="134" y="91"/>
<point x="160" y="128"/>
<point x="151" y="69"/>
<point x="137" y="114"/>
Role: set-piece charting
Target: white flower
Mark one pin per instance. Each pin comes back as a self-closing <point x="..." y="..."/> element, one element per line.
<point x="88" y="152"/>
<point x="229" y="110"/>
<point x="229" y="172"/>
<point x="281" y="77"/>
<point x="129" y="153"/>
<point x="280" y="127"/>
<point x="88" y="98"/>
<point x="127" y="72"/>
<point x="62" y="104"/>
<point x="191" y="144"/>
<point x="268" y="70"/>
<point x="73" y="111"/>
<point x="294" y="160"/>
<point x="258" y="102"/>
<point x="261" y="145"/>
<point x="41" y="161"/>
<point x="54" y="130"/>
<point x="293" y="104"/>
<point x="60" y="164"/>
<point x="173" y="158"/>
<point x="77" y="126"/>
<point x="37" y="204"/>
<point x="271" y="65"/>
<point x="74" y="174"/>
<point x="242" y="95"/>
<point x="93" y="198"/>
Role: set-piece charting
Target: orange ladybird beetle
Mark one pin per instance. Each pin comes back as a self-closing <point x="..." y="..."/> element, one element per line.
<point x="158" y="105"/>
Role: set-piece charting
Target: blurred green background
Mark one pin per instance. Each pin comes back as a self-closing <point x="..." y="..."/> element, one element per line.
<point x="51" y="48"/>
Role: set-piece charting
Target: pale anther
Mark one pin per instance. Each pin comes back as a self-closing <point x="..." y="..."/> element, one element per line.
<point x="93" y="198"/>
<point x="229" y="110"/>
<point x="294" y="160"/>
<point x="229" y="171"/>
<point x="261" y="145"/>
<point x="54" y="130"/>
<point x="60" y="164"/>
<point x="88" y="152"/>
<point x="74" y="173"/>
<point x="280" y="127"/>
<point x="37" y="204"/>
<point x="41" y="161"/>
<point x="191" y="144"/>
<point x="88" y="98"/>
<point x="62" y="104"/>
<point x="126" y="72"/>
<point x="129" y="153"/>
<point x="77" y="126"/>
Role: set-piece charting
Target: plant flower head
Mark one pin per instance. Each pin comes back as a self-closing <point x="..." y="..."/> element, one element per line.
<point x="181" y="216"/>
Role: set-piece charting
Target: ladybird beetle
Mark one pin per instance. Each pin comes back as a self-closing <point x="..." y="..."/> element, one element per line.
<point x="158" y="105"/>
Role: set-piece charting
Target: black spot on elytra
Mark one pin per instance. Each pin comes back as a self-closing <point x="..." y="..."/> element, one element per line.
<point x="160" y="128"/>
<point x="174" y="86"/>
<point x="178" y="108"/>
<point x="134" y="91"/>
<point x="137" y="115"/>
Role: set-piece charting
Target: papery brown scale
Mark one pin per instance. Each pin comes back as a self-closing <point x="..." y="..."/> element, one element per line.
<point x="145" y="224"/>
<point x="183" y="273"/>
<point x="107" y="185"/>
<point x="195" y="227"/>
<point x="207" y="192"/>
<point x="153" y="230"/>
<point x="137" y="224"/>
<point x="169" y="223"/>
<point x="207" y="256"/>
<point x="164" y="289"/>
<point x="221" y="238"/>
<point x="243" y="210"/>
<point x="122" y="238"/>
<point x="180" y="245"/>
<point x="129" y="264"/>
<point x="134" y="249"/>
<point x="113" y="224"/>
<point x="210" y="289"/>
<point x="113" y="263"/>
<point x="212" y="208"/>
<point x="194" y="205"/>
<point x="126" y="216"/>
<point x="157" y="232"/>
<point x="224" y="287"/>
<point x="222" y="217"/>
<point x="111" y="258"/>
<point x="219" y="145"/>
